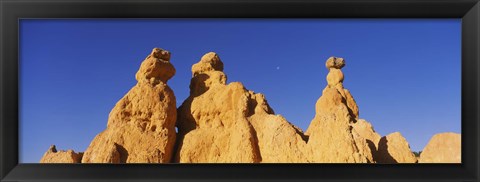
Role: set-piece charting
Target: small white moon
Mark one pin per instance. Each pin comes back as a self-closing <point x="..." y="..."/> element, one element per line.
<point x="278" y="67"/>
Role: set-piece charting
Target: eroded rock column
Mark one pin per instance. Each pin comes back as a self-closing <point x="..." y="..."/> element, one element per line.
<point x="222" y="122"/>
<point x="141" y="126"/>
<point x="330" y="132"/>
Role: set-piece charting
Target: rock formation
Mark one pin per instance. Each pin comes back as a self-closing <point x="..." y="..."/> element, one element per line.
<point x="330" y="132"/>
<point x="54" y="156"/>
<point x="141" y="126"/>
<point x="226" y="123"/>
<point x="442" y="148"/>
<point x="393" y="148"/>
<point x="366" y="139"/>
<point x="222" y="122"/>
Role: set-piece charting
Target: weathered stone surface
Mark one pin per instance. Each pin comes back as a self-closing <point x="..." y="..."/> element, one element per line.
<point x="335" y="62"/>
<point x="366" y="138"/>
<point x="330" y="132"/>
<point x="54" y="156"/>
<point x="366" y="130"/>
<point x="352" y="105"/>
<point x="141" y="126"/>
<point x="443" y="148"/>
<point x="156" y="67"/>
<point x="393" y="148"/>
<point x="279" y="141"/>
<point x="228" y="123"/>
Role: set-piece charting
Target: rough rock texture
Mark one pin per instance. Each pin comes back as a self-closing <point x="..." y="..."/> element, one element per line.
<point x="366" y="130"/>
<point x="442" y="148"/>
<point x="366" y="138"/>
<point x="141" y="126"/>
<point x="228" y="123"/>
<point x="393" y="148"/>
<point x="335" y="80"/>
<point x="54" y="156"/>
<point x="330" y="132"/>
<point x="279" y="141"/>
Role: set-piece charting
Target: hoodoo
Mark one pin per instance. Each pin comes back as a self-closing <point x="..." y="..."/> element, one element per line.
<point x="330" y="132"/>
<point x="141" y="126"/>
<point x="222" y="122"/>
<point x="227" y="123"/>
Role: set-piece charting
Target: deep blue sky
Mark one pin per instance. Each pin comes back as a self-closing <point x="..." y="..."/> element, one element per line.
<point x="404" y="74"/>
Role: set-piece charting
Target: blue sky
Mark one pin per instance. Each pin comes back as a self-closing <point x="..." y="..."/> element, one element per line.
<point x="403" y="73"/>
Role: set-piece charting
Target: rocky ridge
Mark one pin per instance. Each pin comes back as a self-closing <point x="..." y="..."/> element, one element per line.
<point x="227" y="123"/>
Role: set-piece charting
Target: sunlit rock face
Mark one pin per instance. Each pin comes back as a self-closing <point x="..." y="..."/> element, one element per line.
<point x="141" y="126"/>
<point x="222" y="122"/>
<point x="366" y="139"/>
<point x="330" y="132"/>
<point x="227" y="123"/>
<point x="54" y="156"/>
<point x="394" y="148"/>
<point x="443" y="148"/>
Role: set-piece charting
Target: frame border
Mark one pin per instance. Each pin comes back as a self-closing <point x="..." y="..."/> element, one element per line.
<point x="12" y="11"/>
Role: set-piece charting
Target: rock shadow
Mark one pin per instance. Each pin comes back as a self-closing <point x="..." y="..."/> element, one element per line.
<point x="197" y="84"/>
<point x="373" y="149"/>
<point x="123" y="153"/>
<point x="252" y="104"/>
<point x="350" y="111"/>
<point x="302" y="135"/>
<point x="255" y="143"/>
<point x="184" y="122"/>
<point x="382" y="154"/>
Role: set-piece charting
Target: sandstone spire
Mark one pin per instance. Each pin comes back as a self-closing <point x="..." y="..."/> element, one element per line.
<point x="211" y="122"/>
<point x="330" y="132"/>
<point x="222" y="122"/>
<point x="141" y="126"/>
<point x="335" y="79"/>
<point x="226" y="123"/>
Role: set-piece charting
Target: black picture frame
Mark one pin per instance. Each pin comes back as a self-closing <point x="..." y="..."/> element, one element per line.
<point x="11" y="11"/>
